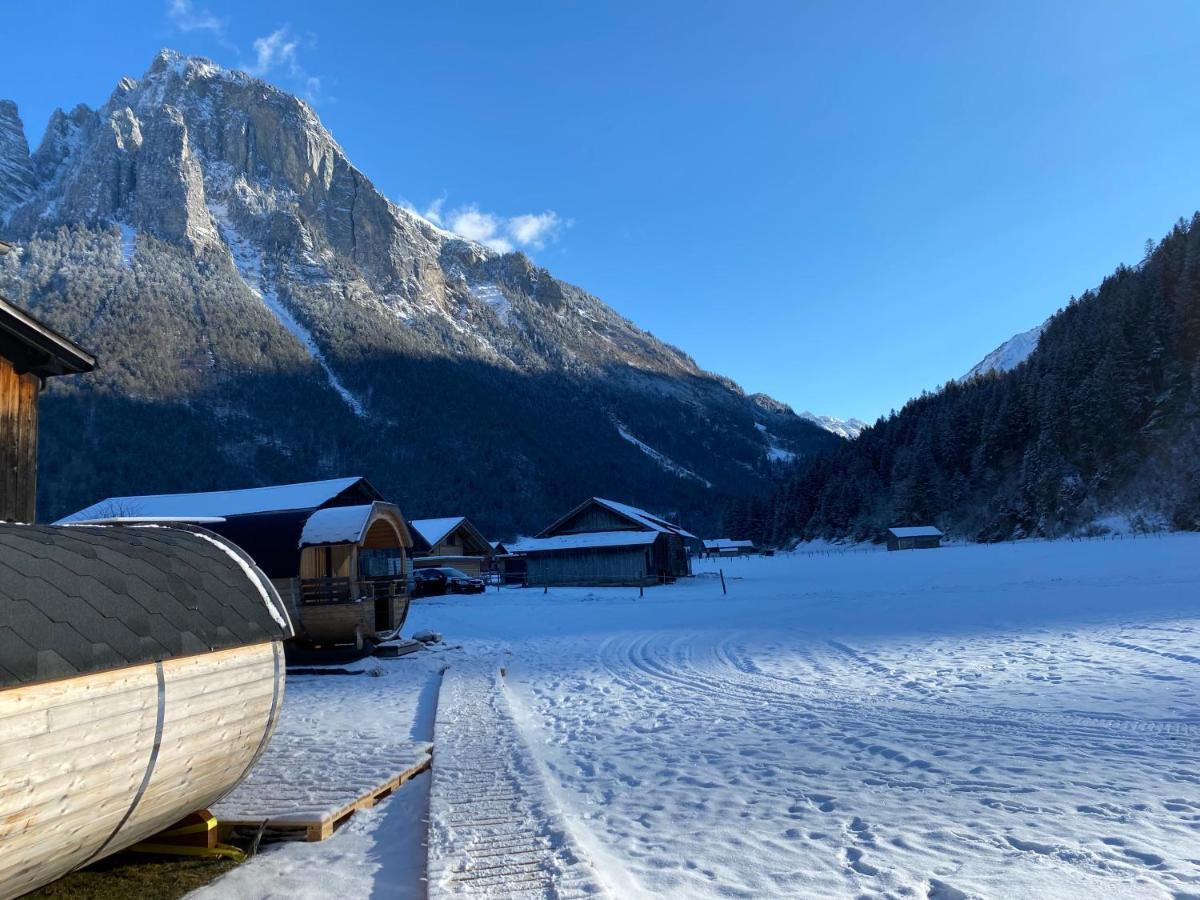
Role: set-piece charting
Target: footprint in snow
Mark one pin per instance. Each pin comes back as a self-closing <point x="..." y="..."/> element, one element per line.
<point x="855" y="861"/>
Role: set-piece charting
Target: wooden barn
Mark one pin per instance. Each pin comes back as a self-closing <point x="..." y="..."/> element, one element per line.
<point x="452" y="541"/>
<point x="141" y="676"/>
<point x="335" y="550"/>
<point x="914" y="537"/>
<point x="30" y="352"/>
<point x="729" y="547"/>
<point x="604" y="542"/>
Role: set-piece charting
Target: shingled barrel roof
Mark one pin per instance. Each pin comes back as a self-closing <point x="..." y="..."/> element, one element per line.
<point x="81" y="599"/>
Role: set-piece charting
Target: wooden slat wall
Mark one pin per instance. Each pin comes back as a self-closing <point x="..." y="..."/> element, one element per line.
<point x="18" y="444"/>
<point x="74" y="752"/>
<point x="594" y="518"/>
<point x="597" y="567"/>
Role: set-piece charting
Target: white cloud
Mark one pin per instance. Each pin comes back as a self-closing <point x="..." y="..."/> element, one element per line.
<point x="184" y="16"/>
<point x="500" y="233"/>
<point x="280" y="51"/>
<point x="534" y="230"/>
<point x="433" y="212"/>
<point x="273" y="51"/>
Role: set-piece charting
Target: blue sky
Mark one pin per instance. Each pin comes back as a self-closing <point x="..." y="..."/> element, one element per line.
<point x="839" y="204"/>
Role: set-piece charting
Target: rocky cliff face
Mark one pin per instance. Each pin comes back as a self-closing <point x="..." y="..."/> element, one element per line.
<point x="206" y="234"/>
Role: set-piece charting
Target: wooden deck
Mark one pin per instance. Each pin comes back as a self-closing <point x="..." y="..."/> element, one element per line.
<point x="285" y="808"/>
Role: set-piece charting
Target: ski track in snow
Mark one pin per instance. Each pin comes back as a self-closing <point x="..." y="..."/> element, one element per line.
<point x="248" y="262"/>
<point x="1018" y="721"/>
<point x="493" y="830"/>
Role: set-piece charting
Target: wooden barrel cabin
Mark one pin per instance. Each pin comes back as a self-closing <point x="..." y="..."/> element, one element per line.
<point x="141" y="676"/>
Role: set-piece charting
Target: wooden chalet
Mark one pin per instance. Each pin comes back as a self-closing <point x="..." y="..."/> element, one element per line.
<point x="452" y="541"/>
<point x="30" y="352"/>
<point x="914" y="537"/>
<point x="604" y="542"/>
<point x="336" y="550"/>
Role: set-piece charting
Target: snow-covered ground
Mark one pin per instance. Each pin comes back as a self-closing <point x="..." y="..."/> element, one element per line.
<point x="333" y="721"/>
<point x="1017" y="720"/>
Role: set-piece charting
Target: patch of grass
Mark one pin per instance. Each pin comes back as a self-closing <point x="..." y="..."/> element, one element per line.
<point x="135" y="876"/>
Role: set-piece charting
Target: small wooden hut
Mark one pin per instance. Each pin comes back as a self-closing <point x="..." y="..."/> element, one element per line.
<point x="141" y="676"/>
<point x="914" y="537"/>
<point x="452" y="541"/>
<point x="335" y="550"/>
<point x="30" y="352"/>
<point x="729" y="547"/>
<point x="604" y="542"/>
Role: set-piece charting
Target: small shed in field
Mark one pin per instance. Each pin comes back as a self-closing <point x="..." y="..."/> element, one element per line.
<point x="914" y="537"/>
<point x="335" y="550"/>
<point x="450" y="541"/>
<point x="30" y="352"/>
<point x="605" y="542"/>
<point x="729" y="547"/>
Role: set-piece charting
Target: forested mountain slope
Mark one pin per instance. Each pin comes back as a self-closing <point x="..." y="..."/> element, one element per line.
<point x="1103" y="417"/>
<point x="262" y="313"/>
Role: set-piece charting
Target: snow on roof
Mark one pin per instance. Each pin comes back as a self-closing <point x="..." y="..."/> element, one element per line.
<point x="649" y="520"/>
<point x="433" y="530"/>
<point x="585" y="541"/>
<point x="916" y="531"/>
<point x="719" y="543"/>
<point x="336" y="525"/>
<point x="305" y="495"/>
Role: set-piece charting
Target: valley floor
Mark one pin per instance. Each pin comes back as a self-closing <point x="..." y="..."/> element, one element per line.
<point x="1017" y="720"/>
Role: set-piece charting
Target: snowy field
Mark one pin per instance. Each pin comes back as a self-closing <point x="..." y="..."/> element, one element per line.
<point x="1006" y="721"/>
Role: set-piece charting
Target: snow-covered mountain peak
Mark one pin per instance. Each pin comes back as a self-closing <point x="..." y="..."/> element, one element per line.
<point x="1010" y="354"/>
<point x="845" y="428"/>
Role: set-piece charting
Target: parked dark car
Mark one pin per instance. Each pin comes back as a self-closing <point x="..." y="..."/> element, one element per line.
<point x="444" y="580"/>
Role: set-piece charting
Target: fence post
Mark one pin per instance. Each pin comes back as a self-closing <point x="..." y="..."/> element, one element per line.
<point x="724" y="592"/>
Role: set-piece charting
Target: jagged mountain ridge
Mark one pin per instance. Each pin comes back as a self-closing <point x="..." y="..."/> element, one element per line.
<point x="238" y="276"/>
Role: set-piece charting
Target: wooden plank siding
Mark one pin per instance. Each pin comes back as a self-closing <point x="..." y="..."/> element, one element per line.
<point x="594" y="518"/>
<point x="74" y="753"/>
<point x="619" y="565"/>
<point x="18" y="443"/>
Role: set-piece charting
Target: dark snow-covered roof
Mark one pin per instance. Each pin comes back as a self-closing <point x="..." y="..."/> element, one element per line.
<point x="636" y="517"/>
<point x="90" y="598"/>
<point x="219" y="504"/>
<point x="916" y="531"/>
<point x="728" y="544"/>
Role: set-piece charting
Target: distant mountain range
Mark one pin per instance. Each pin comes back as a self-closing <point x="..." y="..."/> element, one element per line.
<point x="262" y="313"/>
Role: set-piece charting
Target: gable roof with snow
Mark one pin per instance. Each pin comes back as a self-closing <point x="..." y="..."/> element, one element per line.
<point x="636" y="517"/>
<point x="220" y="504"/>
<point x="435" y="531"/>
<point x="916" y="531"/>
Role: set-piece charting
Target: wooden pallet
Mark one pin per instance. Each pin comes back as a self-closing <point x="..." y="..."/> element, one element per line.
<point x="308" y="827"/>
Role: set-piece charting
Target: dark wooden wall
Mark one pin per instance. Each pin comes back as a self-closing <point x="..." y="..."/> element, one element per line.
<point x="18" y="444"/>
